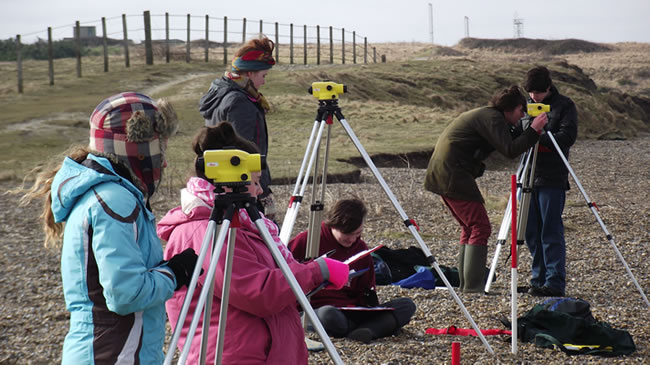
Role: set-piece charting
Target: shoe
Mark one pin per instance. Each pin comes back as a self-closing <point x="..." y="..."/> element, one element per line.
<point x="535" y="291"/>
<point x="314" y="346"/>
<point x="361" y="334"/>
<point x="550" y="292"/>
<point x="544" y="291"/>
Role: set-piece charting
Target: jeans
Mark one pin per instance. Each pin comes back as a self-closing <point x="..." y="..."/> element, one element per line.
<point x="545" y="238"/>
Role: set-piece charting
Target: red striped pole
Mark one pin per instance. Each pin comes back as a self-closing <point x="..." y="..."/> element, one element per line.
<point x="513" y="270"/>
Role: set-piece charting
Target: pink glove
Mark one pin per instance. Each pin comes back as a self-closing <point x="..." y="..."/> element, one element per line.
<point x="336" y="272"/>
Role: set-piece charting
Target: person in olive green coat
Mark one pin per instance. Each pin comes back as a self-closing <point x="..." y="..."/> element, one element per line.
<point x="457" y="161"/>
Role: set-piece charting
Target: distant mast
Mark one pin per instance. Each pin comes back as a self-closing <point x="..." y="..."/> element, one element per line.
<point x="431" y="21"/>
<point x="518" y="26"/>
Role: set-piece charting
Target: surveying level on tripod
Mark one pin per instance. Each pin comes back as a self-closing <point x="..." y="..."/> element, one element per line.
<point x="535" y="109"/>
<point x="230" y="166"/>
<point x="327" y="90"/>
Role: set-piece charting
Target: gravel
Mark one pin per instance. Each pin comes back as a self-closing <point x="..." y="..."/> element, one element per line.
<point x="614" y="174"/>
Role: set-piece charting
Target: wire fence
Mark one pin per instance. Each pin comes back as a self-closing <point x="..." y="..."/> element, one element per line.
<point x="164" y="38"/>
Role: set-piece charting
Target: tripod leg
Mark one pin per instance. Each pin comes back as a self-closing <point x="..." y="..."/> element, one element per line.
<point x="502" y="237"/>
<point x="292" y="211"/>
<point x="592" y="206"/>
<point x="225" y="295"/>
<point x="209" y="281"/>
<point x="295" y="287"/>
<point x="207" y="239"/>
<point x="409" y="224"/>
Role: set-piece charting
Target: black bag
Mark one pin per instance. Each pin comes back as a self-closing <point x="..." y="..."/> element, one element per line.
<point x="402" y="262"/>
<point x="574" y="332"/>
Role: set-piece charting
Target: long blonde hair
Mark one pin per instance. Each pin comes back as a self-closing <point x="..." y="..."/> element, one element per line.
<point x="41" y="190"/>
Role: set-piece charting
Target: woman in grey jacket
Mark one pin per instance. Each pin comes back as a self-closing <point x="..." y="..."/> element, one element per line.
<point x="235" y="97"/>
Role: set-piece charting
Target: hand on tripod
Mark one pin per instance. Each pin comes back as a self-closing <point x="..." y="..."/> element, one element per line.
<point x="335" y="272"/>
<point x="539" y="123"/>
<point x="182" y="264"/>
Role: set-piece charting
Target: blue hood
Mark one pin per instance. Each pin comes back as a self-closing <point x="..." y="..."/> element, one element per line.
<point x="74" y="179"/>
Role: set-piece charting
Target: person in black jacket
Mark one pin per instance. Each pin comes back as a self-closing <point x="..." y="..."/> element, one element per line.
<point x="545" y="230"/>
<point x="235" y="97"/>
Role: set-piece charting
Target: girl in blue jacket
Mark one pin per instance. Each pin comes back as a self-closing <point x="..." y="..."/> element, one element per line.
<point x="115" y="281"/>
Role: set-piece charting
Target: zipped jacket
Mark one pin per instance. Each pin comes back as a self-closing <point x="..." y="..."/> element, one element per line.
<point x="457" y="159"/>
<point x="227" y="101"/>
<point x="550" y="170"/>
<point x="114" y="282"/>
<point x="263" y="324"/>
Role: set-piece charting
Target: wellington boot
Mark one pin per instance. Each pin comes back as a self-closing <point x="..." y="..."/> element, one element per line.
<point x="461" y="264"/>
<point x="474" y="269"/>
<point x="380" y="326"/>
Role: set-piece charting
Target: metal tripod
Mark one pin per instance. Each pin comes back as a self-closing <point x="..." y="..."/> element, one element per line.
<point x="590" y="204"/>
<point x="225" y="211"/>
<point x="524" y="180"/>
<point x="326" y="111"/>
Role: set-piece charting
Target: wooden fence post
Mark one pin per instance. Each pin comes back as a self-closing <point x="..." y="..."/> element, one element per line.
<point x="187" y="45"/>
<point x="383" y="58"/>
<point x="331" y="47"/>
<point x="105" y="44"/>
<point x="305" y="48"/>
<point x="291" y="43"/>
<point x="343" y="46"/>
<point x="374" y="54"/>
<point x="318" y="44"/>
<point x="277" y="42"/>
<point x="127" y="62"/>
<point x="261" y="32"/>
<point x="354" y="47"/>
<point x="148" y="46"/>
<point x="77" y="37"/>
<point x="365" y="50"/>
<point x="167" y="37"/>
<point x="225" y="40"/>
<point x="19" y="63"/>
<point x="50" y="56"/>
<point x="207" y="36"/>
<point x="243" y="32"/>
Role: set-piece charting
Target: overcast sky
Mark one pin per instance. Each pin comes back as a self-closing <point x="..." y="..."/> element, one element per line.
<point x="379" y="20"/>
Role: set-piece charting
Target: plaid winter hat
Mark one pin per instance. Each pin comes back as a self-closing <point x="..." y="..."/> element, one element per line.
<point x="134" y="129"/>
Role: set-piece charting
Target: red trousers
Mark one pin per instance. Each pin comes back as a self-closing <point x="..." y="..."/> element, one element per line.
<point x="473" y="219"/>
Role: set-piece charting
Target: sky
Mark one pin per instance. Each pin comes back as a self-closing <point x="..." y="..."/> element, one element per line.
<point x="605" y="21"/>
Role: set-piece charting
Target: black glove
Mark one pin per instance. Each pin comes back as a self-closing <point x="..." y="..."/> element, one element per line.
<point x="182" y="265"/>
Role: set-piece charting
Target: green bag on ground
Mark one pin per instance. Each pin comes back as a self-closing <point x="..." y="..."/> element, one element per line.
<point x="572" y="334"/>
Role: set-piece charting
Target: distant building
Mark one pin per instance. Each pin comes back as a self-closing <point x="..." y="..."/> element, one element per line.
<point x="85" y="32"/>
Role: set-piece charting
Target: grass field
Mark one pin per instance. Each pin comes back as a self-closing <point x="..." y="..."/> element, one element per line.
<point x="394" y="108"/>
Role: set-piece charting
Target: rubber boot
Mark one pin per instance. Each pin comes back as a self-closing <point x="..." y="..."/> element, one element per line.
<point x="383" y="325"/>
<point x="461" y="264"/>
<point x="474" y="268"/>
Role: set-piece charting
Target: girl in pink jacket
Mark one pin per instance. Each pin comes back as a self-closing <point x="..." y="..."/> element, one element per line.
<point x="263" y="323"/>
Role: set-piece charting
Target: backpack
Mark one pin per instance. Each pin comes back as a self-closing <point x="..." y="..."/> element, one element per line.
<point x="568" y="325"/>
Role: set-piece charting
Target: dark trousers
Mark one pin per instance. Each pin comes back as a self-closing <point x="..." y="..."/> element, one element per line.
<point x="545" y="238"/>
<point x="339" y="323"/>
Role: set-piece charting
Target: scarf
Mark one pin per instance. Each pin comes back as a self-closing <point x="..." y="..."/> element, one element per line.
<point x="253" y="94"/>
